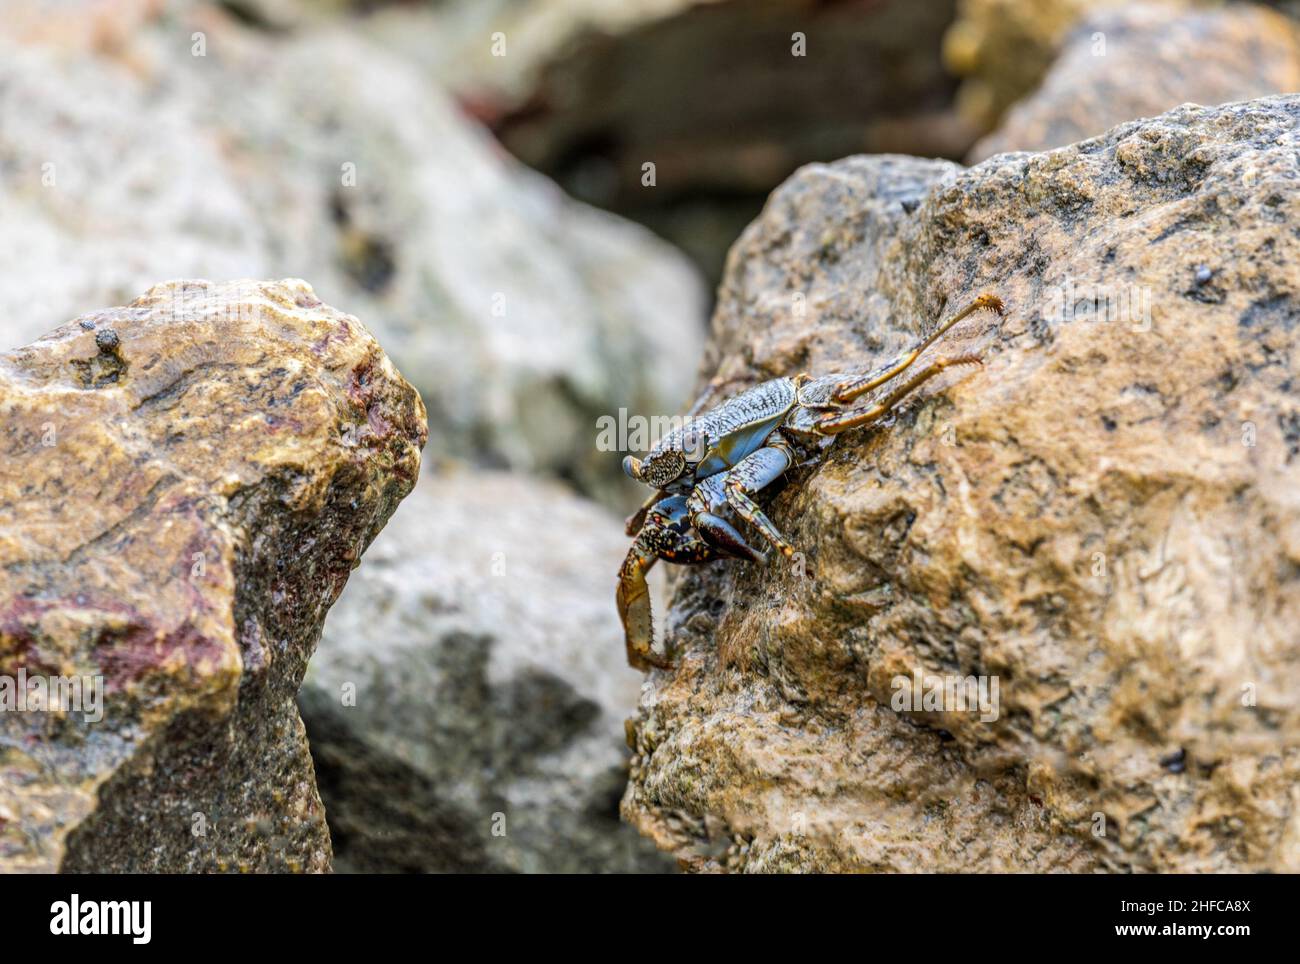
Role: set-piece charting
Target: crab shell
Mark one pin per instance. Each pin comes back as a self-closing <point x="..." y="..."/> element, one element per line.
<point x="717" y="440"/>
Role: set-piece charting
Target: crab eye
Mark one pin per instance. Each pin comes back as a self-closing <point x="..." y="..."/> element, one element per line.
<point x="664" y="468"/>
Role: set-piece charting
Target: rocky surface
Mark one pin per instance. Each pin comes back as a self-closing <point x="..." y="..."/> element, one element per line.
<point x="1150" y="59"/>
<point x="520" y="315"/>
<point x="1105" y="518"/>
<point x="185" y="484"/>
<point x="466" y="706"/>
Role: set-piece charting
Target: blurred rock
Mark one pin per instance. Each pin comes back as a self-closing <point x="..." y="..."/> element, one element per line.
<point x="719" y="96"/>
<point x="1002" y="49"/>
<point x="492" y="53"/>
<point x="1105" y="519"/>
<point x="466" y="706"/>
<point x="98" y="28"/>
<point x="520" y="315"/>
<point x="725" y="99"/>
<point x="103" y="192"/>
<point x="1150" y="58"/>
<point x="185" y="485"/>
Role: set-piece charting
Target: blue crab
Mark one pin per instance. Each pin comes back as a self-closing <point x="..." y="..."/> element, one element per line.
<point x="707" y="473"/>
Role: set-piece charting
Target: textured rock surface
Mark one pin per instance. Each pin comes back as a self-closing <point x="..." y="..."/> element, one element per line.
<point x="486" y="728"/>
<point x="1154" y="57"/>
<point x="1106" y="517"/>
<point x="185" y="484"/>
<point x="520" y="315"/>
<point x="1004" y="47"/>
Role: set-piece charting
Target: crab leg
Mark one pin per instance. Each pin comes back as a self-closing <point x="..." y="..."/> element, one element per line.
<point x="634" y="607"/>
<point x="633" y="523"/>
<point x="835" y="423"/>
<point x="704" y="504"/>
<point x="755" y="472"/>
<point x="856" y="387"/>
<point x="666" y="535"/>
<point x="726" y="538"/>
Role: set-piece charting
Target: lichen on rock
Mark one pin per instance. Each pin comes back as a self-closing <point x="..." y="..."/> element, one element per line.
<point x="1105" y="518"/>
<point x="185" y="484"/>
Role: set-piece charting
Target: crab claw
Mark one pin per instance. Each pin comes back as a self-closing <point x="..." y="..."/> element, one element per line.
<point x="634" y="610"/>
<point x="632" y="466"/>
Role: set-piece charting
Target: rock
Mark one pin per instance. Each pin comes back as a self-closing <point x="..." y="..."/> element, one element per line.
<point x="1105" y="519"/>
<point x="724" y="99"/>
<point x="492" y="53"/>
<point x="185" y="484"/>
<point x="650" y="89"/>
<point x="1144" y="60"/>
<point x="1002" y="49"/>
<point x="83" y="28"/>
<point x="519" y="314"/>
<point x="466" y="706"/>
<point x="88" y="217"/>
<point x="589" y="91"/>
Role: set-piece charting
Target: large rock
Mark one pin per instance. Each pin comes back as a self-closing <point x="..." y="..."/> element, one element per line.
<point x="520" y="315"/>
<point x="1002" y="49"/>
<point x="466" y="706"/>
<point x="185" y="484"/>
<point x="1145" y="60"/>
<point x="1105" y="518"/>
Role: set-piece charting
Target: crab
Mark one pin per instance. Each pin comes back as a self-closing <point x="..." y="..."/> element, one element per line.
<point x="707" y="473"/>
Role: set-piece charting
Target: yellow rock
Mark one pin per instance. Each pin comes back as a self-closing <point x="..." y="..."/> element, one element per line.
<point x="185" y="484"/>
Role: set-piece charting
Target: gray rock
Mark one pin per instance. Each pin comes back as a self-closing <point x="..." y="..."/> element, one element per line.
<point x="482" y="647"/>
<point x="104" y="192"/>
